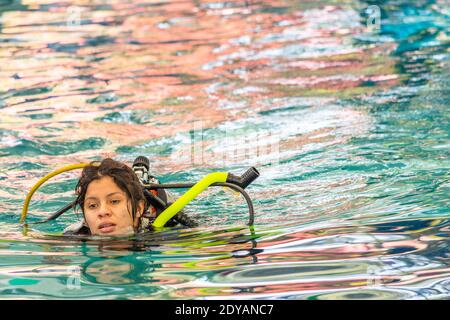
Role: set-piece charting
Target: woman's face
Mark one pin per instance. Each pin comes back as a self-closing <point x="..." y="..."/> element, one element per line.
<point x="107" y="209"/>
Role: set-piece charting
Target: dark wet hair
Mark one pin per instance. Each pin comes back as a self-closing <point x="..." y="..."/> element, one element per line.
<point x="122" y="175"/>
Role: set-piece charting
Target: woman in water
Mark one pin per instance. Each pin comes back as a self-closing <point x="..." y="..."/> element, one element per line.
<point x="113" y="203"/>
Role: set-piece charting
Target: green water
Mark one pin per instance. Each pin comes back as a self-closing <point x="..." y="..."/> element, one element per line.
<point x="343" y="112"/>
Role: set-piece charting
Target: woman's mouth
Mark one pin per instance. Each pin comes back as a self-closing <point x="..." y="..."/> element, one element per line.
<point x="106" y="227"/>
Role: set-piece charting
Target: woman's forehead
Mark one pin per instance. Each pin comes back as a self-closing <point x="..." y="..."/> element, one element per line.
<point x="103" y="187"/>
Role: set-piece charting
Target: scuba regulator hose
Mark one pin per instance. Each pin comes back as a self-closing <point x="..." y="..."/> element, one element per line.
<point x="42" y="181"/>
<point x="222" y="179"/>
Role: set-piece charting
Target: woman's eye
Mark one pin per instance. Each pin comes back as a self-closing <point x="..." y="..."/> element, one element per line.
<point x="116" y="201"/>
<point x="92" y="206"/>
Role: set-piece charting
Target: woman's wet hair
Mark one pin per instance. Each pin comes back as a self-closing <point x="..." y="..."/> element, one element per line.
<point x="121" y="174"/>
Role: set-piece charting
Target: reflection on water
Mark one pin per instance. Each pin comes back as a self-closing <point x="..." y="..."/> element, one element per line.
<point x="406" y="259"/>
<point x="347" y="123"/>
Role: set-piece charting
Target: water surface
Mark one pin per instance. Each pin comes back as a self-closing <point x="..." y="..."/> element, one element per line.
<point x="344" y="114"/>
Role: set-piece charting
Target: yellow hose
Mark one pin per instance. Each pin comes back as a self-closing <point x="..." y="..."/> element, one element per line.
<point x="176" y="207"/>
<point x="44" y="179"/>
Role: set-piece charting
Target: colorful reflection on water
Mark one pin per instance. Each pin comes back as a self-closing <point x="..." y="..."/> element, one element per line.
<point x="345" y="114"/>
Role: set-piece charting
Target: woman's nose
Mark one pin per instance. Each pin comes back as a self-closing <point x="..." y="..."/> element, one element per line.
<point x="104" y="214"/>
<point x="104" y="211"/>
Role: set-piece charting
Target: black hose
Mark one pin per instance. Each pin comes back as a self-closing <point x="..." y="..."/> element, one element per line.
<point x="185" y="220"/>
<point x="153" y="186"/>
<point x="155" y="201"/>
<point x="251" y="212"/>
<point x="57" y="213"/>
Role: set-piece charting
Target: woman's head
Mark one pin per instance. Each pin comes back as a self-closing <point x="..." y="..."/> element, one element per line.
<point x="111" y="198"/>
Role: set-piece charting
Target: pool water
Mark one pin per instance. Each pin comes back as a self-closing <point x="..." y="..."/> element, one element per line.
<point x="341" y="105"/>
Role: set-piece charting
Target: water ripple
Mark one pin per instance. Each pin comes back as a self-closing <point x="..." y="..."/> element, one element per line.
<point x="348" y="127"/>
